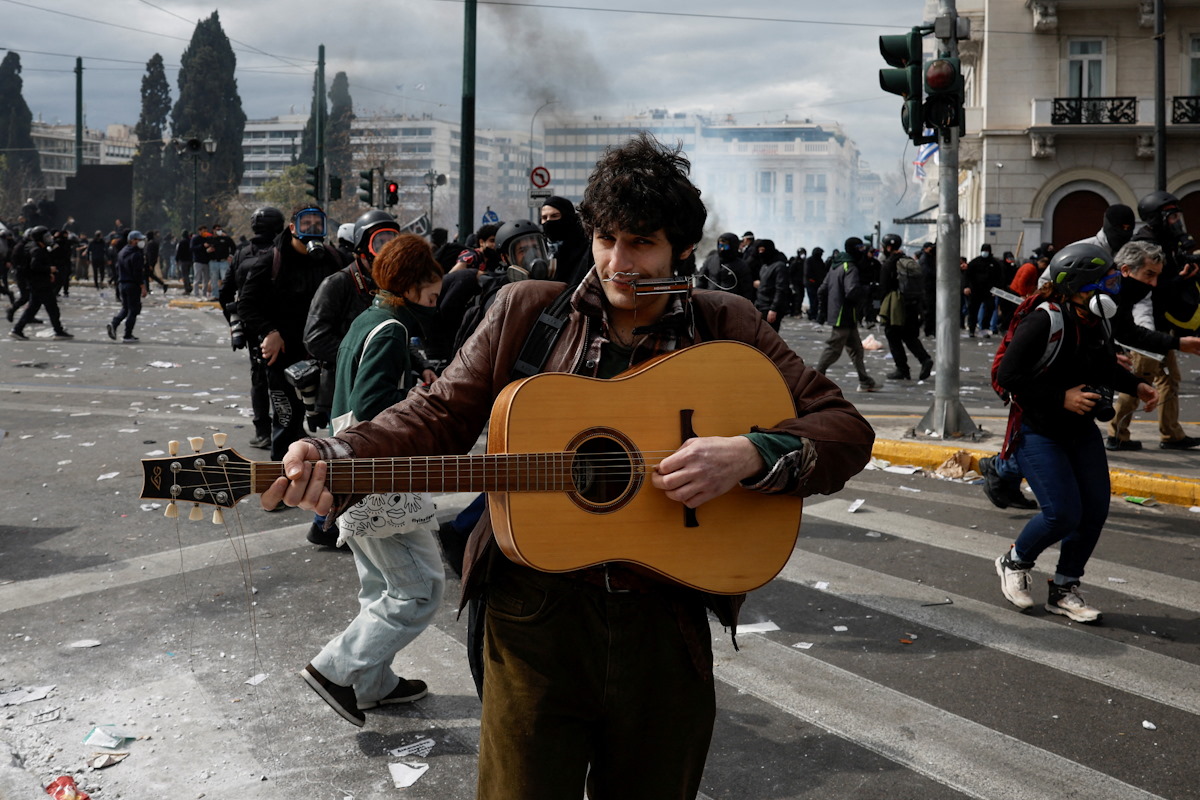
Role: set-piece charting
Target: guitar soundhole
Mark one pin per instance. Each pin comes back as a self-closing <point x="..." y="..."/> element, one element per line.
<point x="606" y="470"/>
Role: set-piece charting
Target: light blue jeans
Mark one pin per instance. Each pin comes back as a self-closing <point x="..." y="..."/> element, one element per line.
<point x="402" y="583"/>
<point x="216" y="273"/>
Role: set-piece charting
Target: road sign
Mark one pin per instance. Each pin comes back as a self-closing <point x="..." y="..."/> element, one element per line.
<point x="490" y="217"/>
<point x="539" y="194"/>
<point x="540" y="177"/>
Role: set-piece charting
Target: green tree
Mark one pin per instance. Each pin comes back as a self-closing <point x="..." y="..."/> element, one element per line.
<point x="209" y="107"/>
<point x="21" y="170"/>
<point x="338" y="150"/>
<point x="285" y="191"/>
<point x="308" y="139"/>
<point x="152" y="180"/>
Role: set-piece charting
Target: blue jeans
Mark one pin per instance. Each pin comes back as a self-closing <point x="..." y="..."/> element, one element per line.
<point x="1070" y="480"/>
<point x="216" y="274"/>
<point x="402" y="583"/>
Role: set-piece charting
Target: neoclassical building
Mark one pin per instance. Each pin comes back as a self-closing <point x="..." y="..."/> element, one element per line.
<point x="1060" y="115"/>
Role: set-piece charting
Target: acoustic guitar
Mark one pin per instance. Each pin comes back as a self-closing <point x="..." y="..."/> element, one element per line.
<point x="568" y="467"/>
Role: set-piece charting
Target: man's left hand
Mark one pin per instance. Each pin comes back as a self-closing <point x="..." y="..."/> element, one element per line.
<point x="707" y="467"/>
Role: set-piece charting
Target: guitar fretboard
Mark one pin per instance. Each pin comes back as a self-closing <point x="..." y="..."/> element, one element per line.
<point x="506" y="472"/>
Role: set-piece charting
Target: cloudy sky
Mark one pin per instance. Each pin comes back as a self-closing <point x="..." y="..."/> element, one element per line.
<point x="762" y="60"/>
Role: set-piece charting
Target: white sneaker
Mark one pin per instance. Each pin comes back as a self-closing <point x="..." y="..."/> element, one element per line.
<point x="1014" y="581"/>
<point x="1067" y="600"/>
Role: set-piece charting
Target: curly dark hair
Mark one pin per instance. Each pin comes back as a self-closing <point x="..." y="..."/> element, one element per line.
<point x="641" y="187"/>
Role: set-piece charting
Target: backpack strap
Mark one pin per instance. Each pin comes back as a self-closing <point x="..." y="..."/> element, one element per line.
<point x="542" y="337"/>
<point x="1054" y="341"/>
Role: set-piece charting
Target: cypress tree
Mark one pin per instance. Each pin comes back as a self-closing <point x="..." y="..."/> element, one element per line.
<point x="337" y="137"/>
<point x="209" y="106"/>
<point x="21" y="168"/>
<point x="151" y="177"/>
<point x="308" y="139"/>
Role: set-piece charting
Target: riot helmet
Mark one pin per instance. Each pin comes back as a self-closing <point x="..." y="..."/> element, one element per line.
<point x="1162" y="213"/>
<point x="372" y="231"/>
<point x="892" y="242"/>
<point x="522" y="246"/>
<point x="267" y="221"/>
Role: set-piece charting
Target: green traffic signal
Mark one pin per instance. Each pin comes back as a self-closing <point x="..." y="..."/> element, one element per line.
<point x="366" y="186"/>
<point x="903" y="53"/>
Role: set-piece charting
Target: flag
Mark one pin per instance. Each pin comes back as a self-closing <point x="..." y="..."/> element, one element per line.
<point x="924" y="153"/>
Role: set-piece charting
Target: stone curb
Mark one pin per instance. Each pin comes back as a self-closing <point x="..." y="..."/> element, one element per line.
<point x="1171" y="489"/>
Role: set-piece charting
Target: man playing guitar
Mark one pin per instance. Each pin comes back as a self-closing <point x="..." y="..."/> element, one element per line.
<point x="603" y="675"/>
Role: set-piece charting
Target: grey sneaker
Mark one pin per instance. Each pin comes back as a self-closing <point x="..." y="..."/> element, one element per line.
<point x="869" y="386"/>
<point x="1015" y="580"/>
<point x="1067" y="601"/>
<point x="406" y="691"/>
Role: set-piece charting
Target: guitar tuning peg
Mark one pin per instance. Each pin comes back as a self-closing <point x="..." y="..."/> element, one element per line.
<point x="196" y="514"/>
<point x="219" y="439"/>
<point x="172" y="510"/>
<point x="173" y="447"/>
<point x="218" y="517"/>
<point x="196" y="442"/>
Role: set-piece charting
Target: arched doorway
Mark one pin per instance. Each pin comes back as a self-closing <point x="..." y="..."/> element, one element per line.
<point x="1077" y="216"/>
<point x="1190" y="203"/>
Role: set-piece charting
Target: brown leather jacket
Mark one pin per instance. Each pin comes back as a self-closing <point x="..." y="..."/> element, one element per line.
<point x="449" y="416"/>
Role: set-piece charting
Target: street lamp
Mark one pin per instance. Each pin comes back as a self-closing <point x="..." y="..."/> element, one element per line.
<point x="433" y="179"/>
<point x="195" y="147"/>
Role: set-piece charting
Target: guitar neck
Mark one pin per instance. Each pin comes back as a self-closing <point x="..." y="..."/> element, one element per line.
<point x="505" y="472"/>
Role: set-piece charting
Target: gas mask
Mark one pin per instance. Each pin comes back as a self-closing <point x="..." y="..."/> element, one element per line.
<point x="309" y="227"/>
<point x="527" y="259"/>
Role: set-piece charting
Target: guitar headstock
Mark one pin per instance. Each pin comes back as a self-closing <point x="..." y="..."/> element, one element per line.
<point x="218" y="478"/>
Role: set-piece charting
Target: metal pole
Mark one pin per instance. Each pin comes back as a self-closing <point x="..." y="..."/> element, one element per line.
<point x="322" y="177"/>
<point x="1160" y="99"/>
<point x="195" y="190"/>
<point x="947" y="417"/>
<point x="78" y="115"/>
<point x="466" y="174"/>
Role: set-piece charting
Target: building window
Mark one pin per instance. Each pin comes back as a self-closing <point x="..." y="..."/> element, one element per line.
<point x="1194" y="66"/>
<point x="788" y="182"/>
<point x="766" y="182"/>
<point x="1085" y="68"/>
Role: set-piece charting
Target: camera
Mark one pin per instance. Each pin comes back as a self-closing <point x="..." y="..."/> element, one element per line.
<point x="1103" y="410"/>
<point x="237" y="331"/>
<point x="305" y="378"/>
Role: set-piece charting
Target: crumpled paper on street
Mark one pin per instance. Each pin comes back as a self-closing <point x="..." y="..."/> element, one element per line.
<point x="957" y="466"/>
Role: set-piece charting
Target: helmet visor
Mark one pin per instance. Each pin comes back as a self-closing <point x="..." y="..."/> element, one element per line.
<point x="377" y="239"/>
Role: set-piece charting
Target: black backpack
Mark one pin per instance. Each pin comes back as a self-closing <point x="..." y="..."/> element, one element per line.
<point x="908" y="274"/>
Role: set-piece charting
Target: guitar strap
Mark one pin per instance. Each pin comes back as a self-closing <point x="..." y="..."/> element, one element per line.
<point x="542" y="336"/>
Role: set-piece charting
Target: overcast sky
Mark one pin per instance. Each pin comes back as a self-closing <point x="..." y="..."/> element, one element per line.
<point x="762" y="60"/>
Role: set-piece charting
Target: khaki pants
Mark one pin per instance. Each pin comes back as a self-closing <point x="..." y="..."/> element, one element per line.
<point x="1165" y="377"/>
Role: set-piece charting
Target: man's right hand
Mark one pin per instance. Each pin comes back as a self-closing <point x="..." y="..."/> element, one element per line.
<point x="271" y="347"/>
<point x="302" y="483"/>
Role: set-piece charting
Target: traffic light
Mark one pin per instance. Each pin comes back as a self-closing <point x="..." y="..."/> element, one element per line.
<point x="313" y="180"/>
<point x="944" y="89"/>
<point x="335" y="187"/>
<point x="903" y="51"/>
<point x="366" y="186"/>
<point x="392" y="195"/>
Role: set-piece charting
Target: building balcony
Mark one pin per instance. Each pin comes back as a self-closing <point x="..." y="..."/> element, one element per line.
<point x="1185" y="110"/>
<point x="1094" y="111"/>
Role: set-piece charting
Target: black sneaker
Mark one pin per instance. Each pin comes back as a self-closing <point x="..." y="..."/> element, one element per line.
<point x="1114" y="443"/>
<point x="993" y="484"/>
<point x="16" y="334"/>
<point x="63" y="335"/>
<point x="405" y="692"/>
<point x="262" y="441"/>
<point x="1186" y="443"/>
<point x="926" y="369"/>
<point x="1017" y="498"/>
<point x="340" y="698"/>
<point x="897" y="375"/>
<point x="112" y="331"/>
<point x="323" y="538"/>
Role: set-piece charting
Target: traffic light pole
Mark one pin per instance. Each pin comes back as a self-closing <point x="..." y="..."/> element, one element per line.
<point x="947" y="418"/>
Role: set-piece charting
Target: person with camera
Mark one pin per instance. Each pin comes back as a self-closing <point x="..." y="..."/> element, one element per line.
<point x="391" y="536"/>
<point x="1060" y="368"/>
<point x="266" y="223"/>
<point x="273" y="305"/>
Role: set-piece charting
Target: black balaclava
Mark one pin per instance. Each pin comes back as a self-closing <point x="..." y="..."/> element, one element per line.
<point x="854" y="250"/>
<point x="1118" y="226"/>
<point x="557" y="230"/>
<point x="730" y="250"/>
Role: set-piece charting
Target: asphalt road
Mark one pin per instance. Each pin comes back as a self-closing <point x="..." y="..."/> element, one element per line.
<point x="897" y="669"/>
